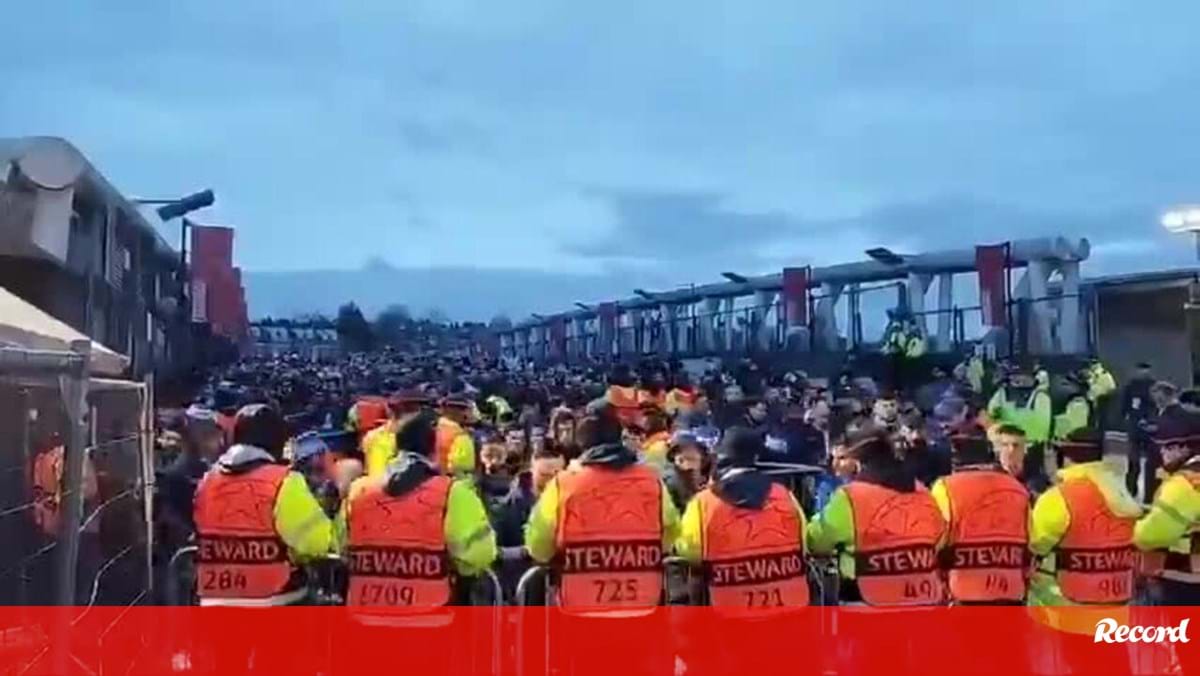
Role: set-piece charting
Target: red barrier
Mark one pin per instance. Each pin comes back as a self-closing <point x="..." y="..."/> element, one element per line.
<point x="694" y="641"/>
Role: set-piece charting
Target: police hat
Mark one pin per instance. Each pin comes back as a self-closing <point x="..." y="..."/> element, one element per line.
<point x="308" y="445"/>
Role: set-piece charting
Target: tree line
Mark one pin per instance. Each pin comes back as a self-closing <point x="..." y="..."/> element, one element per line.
<point x="395" y="327"/>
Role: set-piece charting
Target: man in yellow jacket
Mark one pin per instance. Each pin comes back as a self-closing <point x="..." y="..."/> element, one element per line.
<point x="379" y="445"/>
<point x="741" y="492"/>
<point x="1086" y="513"/>
<point x="469" y="538"/>
<point x="600" y="434"/>
<point x="455" y="447"/>
<point x="1077" y="414"/>
<point x="250" y="496"/>
<point x="845" y="527"/>
<point x="1165" y="533"/>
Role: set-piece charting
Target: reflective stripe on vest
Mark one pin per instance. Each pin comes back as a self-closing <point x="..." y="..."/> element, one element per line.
<point x="609" y="538"/>
<point x="1172" y="565"/>
<point x="240" y="557"/>
<point x="896" y="536"/>
<point x="753" y="558"/>
<point x="988" y="546"/>
<point x="1095" y="560"/>
<point x="624" y="400"/>
<point x="396" y="546"/>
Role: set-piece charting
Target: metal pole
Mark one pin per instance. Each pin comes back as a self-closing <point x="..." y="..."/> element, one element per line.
<point x="74" y="456"/>
<point x="26" y="434"/>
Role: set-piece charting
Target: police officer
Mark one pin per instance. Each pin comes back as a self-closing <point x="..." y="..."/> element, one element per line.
<point x="1077" y="413"/>
<point x="885" y="526"/>
<point x="747" y="532"/>
<point x="1166" y="533"/>
<point x="1100" y="386"/>
<point x="987" y="513"/>
<point x="256" y="520"/>
<point x="455" y="447"/>
<point x="1082" y="528"/>
<point x="1024" y="401"/>
<point x="606" y="525"/>
<point x="400" y="531"/>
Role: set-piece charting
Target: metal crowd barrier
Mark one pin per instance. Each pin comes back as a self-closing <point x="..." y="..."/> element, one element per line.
<point x="181" y="583"/>
<point x="671" y="564"/>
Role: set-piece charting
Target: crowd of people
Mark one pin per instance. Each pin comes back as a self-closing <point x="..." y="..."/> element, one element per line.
<point x="980" y="483"/>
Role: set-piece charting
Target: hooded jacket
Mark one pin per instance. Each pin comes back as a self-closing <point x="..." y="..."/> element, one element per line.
<point x="543" y="520"/>
<point x="299" y="518"/>
<point x="470" y="540"/>
<point x="739" y="486"/>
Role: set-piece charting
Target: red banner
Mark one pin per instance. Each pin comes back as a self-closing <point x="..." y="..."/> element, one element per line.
<point x="795" y="295"/>
<point x="512" y="641"/>
<point x="992" y="263"/>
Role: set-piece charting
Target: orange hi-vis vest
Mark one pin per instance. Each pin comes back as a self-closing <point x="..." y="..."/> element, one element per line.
<point x="609" y="539"/>
<point x="988" y="545"/>
<point x="240" y="558"/>
<point x="446" y="432"/>
<point x="396" y="547"/>
<point x="896" y="536"/>
<point x="753" y="558"/>
<point x="648" y="398"/>
<point x="625" y="401"/>
<point x="1095" y="560"/>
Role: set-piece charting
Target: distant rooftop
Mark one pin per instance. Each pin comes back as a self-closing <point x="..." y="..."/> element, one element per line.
<point x="1149" y="278"/>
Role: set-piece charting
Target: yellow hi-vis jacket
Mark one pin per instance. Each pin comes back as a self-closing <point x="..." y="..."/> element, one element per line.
<point x="1034" y="416"/>
<point x="690" y="544"/>
<point x="1100" y="382"/>
<point x="543" y="524"/>
<point x="1172" y="519"/>
<point x="470" y="540"/>
<point x="300" y="520"/>
<point x="379" y="448"/>
<point x="1076" y="416"/>
<point x="1048" y="525"/>
<point x="654" y="451"/>
<point x="461" y="458"/>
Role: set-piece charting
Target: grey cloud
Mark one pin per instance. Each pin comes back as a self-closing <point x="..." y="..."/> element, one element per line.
<point x="683" y="227"/>
<point x="680" y="225"/>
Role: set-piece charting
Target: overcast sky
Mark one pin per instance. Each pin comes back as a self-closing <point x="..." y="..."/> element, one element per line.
<point x="679" y="137"/>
